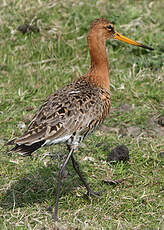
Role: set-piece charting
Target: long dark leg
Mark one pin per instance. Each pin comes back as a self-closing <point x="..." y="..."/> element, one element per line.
<point x="60" y="177"/>
<point x="76" y="167"/>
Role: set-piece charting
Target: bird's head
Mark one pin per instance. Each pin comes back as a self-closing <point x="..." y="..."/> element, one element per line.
<point x="104" y="29"/>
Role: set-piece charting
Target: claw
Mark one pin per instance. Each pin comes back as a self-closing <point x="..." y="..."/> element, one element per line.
<point x="55" y="218"/>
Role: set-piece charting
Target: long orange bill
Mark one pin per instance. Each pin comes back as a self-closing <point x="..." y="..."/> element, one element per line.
<point x="122" y="38"/>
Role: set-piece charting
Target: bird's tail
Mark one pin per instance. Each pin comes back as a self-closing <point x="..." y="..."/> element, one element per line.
<point x="24" y="149"/>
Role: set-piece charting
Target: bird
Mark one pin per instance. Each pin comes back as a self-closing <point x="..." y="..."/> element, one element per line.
<point x="73" y="112"/>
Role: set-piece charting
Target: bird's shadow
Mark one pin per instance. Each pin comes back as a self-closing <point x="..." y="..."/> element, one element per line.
<point x="35" y="187"/>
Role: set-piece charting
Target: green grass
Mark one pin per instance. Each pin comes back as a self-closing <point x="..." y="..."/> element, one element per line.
<point x="33" y="65"/>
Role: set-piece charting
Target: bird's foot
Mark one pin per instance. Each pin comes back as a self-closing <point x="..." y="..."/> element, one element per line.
<point x="55" y="218"/>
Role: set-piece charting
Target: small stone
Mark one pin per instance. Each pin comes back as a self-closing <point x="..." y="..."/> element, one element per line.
<point x="125" y="107"/>
<point x="161" y="155"/>
<point x="133" y="131"/>
<point x="83" y="145"/>
<point x="21" y="125"/>
<point x="120" y="153"/>
<point x="2" y="141"/>
<point x="91" y="159"/>
<point x="25" y="28"/>
<point x="29" y="108"/>
<point x="161" y="121"/>
<point x="49" y="209"/>
<point x="100" y="144"/>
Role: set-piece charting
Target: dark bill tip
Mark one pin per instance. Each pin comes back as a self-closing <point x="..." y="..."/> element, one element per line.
<point x="146" y="47"/>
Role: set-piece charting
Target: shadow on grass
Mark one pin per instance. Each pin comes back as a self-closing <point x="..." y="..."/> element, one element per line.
<point x="35" y="187"/>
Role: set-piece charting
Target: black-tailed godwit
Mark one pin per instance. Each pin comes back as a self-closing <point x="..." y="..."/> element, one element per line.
<point x="75" y="111"/>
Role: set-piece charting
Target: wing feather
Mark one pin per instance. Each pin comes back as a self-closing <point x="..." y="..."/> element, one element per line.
<point x="69" y="110"/>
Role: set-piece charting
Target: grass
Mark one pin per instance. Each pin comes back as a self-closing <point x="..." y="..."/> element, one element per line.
<point x="34" y="64"/>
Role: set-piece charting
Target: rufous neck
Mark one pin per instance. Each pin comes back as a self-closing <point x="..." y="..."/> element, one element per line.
<point x="99" y="71"/>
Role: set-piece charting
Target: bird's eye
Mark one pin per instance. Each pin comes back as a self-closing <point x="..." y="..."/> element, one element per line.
<point x="109" y="27"/>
